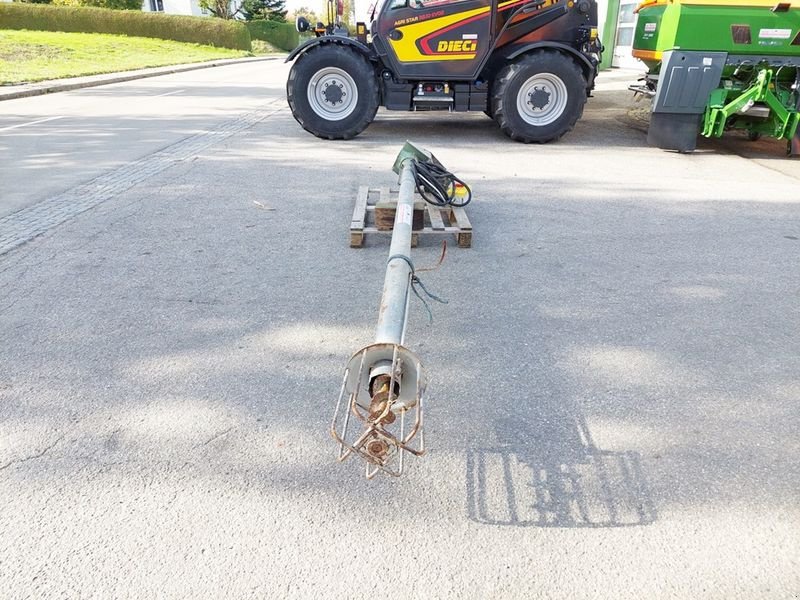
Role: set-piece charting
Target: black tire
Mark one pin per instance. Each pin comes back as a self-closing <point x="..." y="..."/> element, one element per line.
<point x="350" y="105"/>
<point x="539" y="97"/>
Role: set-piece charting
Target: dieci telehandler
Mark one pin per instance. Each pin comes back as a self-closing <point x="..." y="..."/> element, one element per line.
<point x="528" y="64"/>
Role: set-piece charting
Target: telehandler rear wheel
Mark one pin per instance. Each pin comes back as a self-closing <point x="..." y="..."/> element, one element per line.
<point x="539" y="97"/>
<point x="332" y="92"/>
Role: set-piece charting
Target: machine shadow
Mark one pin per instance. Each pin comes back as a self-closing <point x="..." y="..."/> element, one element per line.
<point x="549" y="473"/>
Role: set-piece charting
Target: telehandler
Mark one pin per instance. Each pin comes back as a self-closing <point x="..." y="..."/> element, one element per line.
<point x="528" y="64"/>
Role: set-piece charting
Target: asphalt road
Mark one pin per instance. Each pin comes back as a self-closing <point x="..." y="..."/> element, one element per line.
<point x="613" y="407"/>
<point x="52" y="143"/>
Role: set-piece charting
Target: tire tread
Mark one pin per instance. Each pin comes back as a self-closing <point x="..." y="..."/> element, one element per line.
<point x="506" y="78"/>
<point x="304" y="67"/>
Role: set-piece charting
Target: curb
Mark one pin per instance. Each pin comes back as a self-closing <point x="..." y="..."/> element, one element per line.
<point x="75" y="83"/>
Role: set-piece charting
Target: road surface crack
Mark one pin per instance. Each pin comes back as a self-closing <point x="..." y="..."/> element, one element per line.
<point x="39" y="454"/>
<point x="218" y="435"/>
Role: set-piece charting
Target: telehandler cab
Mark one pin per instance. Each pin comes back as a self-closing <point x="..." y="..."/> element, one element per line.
<point x="528" y="64"/>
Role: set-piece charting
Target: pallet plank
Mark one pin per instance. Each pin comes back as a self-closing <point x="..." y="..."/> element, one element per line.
<point x="360" y="210"/>
<point x="443" y="221"/>
<point x="435" y="214"/>
<point x="460" y="218"/>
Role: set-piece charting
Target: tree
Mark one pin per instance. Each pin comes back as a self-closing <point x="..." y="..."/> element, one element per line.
<point x="314" y="16"/>
<point x="224" y="9"/>
<point x="270" y="10"/>
<point x="349" y="16"/>
<point x="304" y="11"/>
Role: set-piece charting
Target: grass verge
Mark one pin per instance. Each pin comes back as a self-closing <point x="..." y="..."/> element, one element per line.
<point x="261" y="47"/>
<point x="28" y="56"/>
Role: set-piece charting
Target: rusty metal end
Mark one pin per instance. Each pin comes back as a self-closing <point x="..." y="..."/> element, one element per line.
<point x="377" y="448"/>
<point x="381" y="383"/>
<point x="380" y="408"/>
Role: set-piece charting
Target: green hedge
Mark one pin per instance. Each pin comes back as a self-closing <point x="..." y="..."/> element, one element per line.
<point x="282" y="35"/>
<point x="115" y="4"/>
<point x="199" y="30"/>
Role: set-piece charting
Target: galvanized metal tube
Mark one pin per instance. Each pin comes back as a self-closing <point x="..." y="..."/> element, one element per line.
<point x="389" y="374"/>
<point x="394" y="301"/>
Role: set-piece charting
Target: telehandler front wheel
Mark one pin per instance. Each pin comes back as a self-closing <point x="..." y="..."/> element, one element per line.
<point x="539" y="97"/>
<point x="332" y="91"/>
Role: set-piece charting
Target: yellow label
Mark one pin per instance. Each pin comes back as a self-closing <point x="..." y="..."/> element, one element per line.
<point x="457" y="46"/>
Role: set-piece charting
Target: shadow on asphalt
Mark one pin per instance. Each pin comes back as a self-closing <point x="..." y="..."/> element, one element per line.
<point x="547" y="472"/>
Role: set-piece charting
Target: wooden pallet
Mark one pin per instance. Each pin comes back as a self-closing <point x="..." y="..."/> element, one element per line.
<point x="437" y="220"/>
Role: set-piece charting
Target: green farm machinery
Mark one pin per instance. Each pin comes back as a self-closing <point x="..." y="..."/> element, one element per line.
<point x="716" y="65"/>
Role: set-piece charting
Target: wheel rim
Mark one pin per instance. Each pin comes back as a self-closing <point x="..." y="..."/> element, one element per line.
<point x="542" y="99"/>
<point x="332" y="94"/>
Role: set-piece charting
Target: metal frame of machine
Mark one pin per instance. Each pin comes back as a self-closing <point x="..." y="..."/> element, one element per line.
<point x="717" y="65"/>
